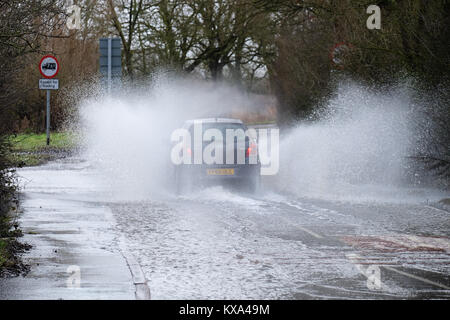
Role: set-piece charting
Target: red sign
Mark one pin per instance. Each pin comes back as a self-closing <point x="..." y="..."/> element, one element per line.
<point x="338" y="53"/>
<point x="49" y="67"/>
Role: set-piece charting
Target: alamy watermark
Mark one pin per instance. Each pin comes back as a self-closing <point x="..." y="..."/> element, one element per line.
<point x="207" y="147"/>
<point x="372" y="272"/>
<point x="374" y="20"/>
<point x="74" y="279"/>
<point x="74" y="17"/>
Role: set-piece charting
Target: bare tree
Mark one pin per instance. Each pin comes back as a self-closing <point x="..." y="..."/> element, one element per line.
<point x="216" y="38"/>
<point x="25" y="27"/>
<point x="124" y="17"/>
<point x="167" y="34"/>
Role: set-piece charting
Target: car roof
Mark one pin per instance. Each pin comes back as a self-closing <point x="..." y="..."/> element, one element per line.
<point x="214" y="120"/>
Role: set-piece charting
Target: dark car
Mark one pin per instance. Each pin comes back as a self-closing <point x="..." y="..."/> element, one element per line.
<point x="241" y="168"/>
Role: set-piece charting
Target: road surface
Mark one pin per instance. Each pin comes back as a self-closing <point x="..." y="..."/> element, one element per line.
<point x="223" y="244"/>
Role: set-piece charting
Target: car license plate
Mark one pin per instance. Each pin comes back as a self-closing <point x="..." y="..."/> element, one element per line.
<point x="220" y="172"/>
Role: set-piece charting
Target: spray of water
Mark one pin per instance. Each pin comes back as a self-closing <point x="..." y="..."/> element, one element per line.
<point x="127" y="135"/>
<point x="358" y="149"/>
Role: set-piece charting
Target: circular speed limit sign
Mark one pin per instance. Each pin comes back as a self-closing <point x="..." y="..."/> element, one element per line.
<point x="49" y="67"/>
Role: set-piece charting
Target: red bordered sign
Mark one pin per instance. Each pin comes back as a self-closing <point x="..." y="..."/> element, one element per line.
<point x="49" y="66"/>
<point x="338" y="53"/>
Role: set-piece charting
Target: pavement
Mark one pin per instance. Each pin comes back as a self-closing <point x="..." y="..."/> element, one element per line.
<point x="76" y="253"/>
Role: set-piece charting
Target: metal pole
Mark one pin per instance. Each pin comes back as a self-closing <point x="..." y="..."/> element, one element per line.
<point x="48" y="117"/>
<point x="109" y="64"/>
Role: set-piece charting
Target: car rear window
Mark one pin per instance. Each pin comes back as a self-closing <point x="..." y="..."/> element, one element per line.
<point x="223" y="128"/>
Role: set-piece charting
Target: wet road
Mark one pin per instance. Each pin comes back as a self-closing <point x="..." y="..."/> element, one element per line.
<point x="222" y="244"/>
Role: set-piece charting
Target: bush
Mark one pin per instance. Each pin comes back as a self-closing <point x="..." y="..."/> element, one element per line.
<point x="8" y="197"/>
<point x="9" y="246"/>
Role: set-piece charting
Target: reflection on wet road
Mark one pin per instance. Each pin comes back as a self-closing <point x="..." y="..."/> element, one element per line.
<point x="222" y="244"/>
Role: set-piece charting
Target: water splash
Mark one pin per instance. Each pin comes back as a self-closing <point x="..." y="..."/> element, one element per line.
<point x="127" y="135"/>
<point x="359" y="148"/>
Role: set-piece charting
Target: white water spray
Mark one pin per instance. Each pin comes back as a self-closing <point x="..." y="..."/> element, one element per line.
<point x="358" y="149"/>
<point x="128" y="135"/>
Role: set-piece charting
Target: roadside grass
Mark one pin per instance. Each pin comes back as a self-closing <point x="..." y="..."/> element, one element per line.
<point x="30" y="149"/>
<point x="28" y="142"/>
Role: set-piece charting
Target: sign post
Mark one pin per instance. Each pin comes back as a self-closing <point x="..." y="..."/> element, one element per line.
<point x="49" y="68"/>
<point x="48" y="118"/>
<point x="110" y="62"/>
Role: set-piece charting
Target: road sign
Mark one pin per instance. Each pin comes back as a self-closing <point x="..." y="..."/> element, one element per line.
<point x="338" y="54"/>
<point x="48" y="84"/>
<point x="110" y="61"/>
<point x="49" y="66"/>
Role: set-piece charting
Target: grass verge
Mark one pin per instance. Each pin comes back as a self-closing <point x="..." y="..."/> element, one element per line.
<point x="31" y="149"/>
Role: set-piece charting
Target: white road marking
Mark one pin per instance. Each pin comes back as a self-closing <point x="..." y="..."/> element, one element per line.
<point x="318" y="236"/>
<point x="440" y="210"/>
<point x="417" y="277"/>
<point x="352" y="257"/>
<point x="371" y="272"/>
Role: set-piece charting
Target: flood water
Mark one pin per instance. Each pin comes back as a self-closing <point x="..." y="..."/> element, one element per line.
<point x="219" y="243"/>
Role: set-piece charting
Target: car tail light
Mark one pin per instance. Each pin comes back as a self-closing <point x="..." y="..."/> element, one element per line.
<point x="251" y="149"/>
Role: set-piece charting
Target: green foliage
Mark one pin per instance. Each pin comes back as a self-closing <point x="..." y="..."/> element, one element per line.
<point x="29" y="149"/>
<point x="35" y="142"/>
<point x="3" y="253"/>
<point x="8" y="200"/>
<point x="7" y="182"/>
